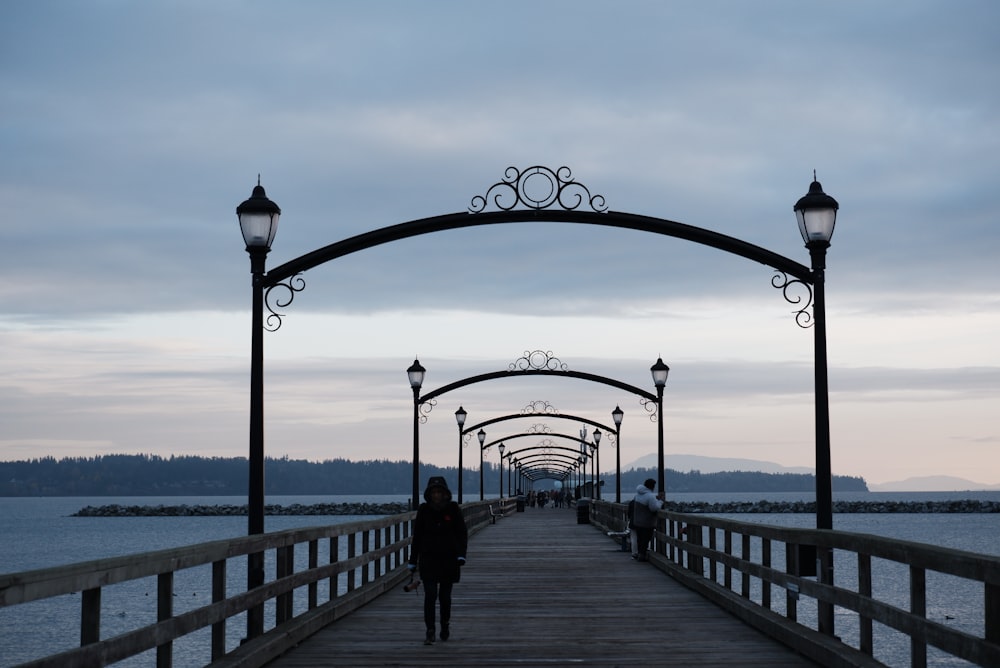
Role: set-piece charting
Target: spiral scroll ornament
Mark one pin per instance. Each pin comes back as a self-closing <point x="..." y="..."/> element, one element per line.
<point x="281" y="299"/>
<point x="538" y="429"/>
<point x="538" y="360"/>
<point x="425" y="409"/>
<point x="650" y="406"/>
<point x="539" y="407"/>
<point x="538" y="188"/>
<point x="547" y="445"/>
<point x="803" y="317"/>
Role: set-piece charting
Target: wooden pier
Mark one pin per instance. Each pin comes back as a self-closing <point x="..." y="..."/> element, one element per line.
<point x="542" y="590"/>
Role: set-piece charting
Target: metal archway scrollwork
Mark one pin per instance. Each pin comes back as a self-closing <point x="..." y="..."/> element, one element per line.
<point x="538" y="188"/>
<point x="282" y="299"/>
<point x="539" y="407"/>
<point x="538" y="360"/>
<point x="425" y="409"/>
<point x="803" y="317"/>
<point x="650" y="407"/>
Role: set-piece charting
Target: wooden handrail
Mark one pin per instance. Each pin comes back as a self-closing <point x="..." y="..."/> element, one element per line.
<point x="377" y="567"/>
<point x="688" y="547"/>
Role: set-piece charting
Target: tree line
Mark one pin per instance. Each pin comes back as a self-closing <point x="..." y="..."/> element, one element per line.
<point x="185" y="475"/>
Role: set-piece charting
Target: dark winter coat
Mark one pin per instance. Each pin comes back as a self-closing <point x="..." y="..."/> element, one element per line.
<point x="440" y="537"/>
<point x="646" y="508"/>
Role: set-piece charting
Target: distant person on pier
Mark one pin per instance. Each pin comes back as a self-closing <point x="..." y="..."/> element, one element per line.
<point x="647" y="505"/>
<point x="440" y="539"/>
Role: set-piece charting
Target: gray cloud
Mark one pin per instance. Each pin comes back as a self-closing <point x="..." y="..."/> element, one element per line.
<point x="131" y="132"/>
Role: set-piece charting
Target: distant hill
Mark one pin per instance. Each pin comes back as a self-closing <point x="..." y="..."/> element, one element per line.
<point x="714" y="464"/>
<point x="720" y="464"/>
<point x="934" y="483"/>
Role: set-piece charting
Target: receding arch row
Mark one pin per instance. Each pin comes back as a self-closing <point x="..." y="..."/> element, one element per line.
<point x="547" y="455"/>
<point x="557" y="416"/>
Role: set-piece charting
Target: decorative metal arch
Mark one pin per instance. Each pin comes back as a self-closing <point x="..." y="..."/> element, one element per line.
<point x="550" y="195"/>
<point x="537" y="363"/>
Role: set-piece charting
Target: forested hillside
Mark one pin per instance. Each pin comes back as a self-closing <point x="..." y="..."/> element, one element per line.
<point x="152" y="475"/>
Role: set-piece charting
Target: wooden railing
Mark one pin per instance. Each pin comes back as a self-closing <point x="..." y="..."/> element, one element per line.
<point x="361" y="560"/>
<point x="734" y="564"/>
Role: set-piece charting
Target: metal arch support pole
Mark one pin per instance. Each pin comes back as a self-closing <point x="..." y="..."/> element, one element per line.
<point x="661" y="486"/>
<point x="824" y="471"/>
<point x="255" y="501"/>
<point x="460" y="465"/>
<point x="597" y="478"/>
<point x="618" y="464"/>
<point x="416" y="448"/>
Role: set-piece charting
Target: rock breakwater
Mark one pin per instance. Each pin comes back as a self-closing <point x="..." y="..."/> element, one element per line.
<point x="184" y="510"/>
<point x="860" y="507"/>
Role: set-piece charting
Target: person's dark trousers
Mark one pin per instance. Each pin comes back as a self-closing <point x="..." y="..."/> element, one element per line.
<point x="644" y="536"/>
<point x="434" y="591"/>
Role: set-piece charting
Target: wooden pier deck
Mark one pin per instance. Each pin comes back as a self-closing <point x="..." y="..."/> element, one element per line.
<point x="542" y="590"/>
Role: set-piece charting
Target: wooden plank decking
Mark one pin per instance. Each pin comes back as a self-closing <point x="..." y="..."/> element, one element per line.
<point x="542" y="590"/>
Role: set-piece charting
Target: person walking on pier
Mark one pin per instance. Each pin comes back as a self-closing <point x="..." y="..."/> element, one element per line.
<point x="647" y="505"/>
<point x="440" y="540"/>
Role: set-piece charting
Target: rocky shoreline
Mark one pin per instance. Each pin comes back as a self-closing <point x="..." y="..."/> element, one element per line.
<point x="766" y="507"/>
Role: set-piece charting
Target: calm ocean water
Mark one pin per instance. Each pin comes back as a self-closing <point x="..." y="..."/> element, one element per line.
<point x="39" y="532"/>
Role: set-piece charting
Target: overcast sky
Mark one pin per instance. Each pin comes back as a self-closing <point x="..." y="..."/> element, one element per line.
<point x="129" y="132"/>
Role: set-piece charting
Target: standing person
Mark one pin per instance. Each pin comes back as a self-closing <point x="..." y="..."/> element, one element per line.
<point x="647" y="505"/>
<point x="440" y="539"/>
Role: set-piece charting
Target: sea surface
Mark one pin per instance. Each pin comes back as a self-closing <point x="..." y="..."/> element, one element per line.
<point x="39" y="532"/>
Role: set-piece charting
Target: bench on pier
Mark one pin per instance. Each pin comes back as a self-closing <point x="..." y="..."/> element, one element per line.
<point x="625" y="536"/>
<point x="495" y="513"/>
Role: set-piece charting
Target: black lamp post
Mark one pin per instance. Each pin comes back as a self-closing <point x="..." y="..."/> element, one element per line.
<point x="617" y="414"/>
<point x="258" y="218"/>
<point x="511" y="463"/>
<point x="593" y="478"/>
<point x="460" y="416"/>
<point x="416" y="375"/>
<point x="660" y="372"/>
<point x="501" y="448"/>
<point x="481" y="435"/>
<point x="817" y="214"/>
<point x="597" y="451"/>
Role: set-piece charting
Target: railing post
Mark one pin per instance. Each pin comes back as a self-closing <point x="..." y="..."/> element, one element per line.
<point x="285" y="565"/>
<point x="352" y="551"/>
<point x="792" y="553"/>
<point x="713" y="563"/>
<point x="745" y="576"/>
<point x="727" y="548"/>
<point x="313" y="589"/>
<point x="765" y="585"/>
<point x="218" y="595"/>
<point x="90" y="616"/>
<point x="992" y="605"/>
<point x="164" y="611"/>
<point x="334" y="558"/>
<point x="918" y="606"/>
<point x="866" y="638"/>
<point x="365" y="549"/>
